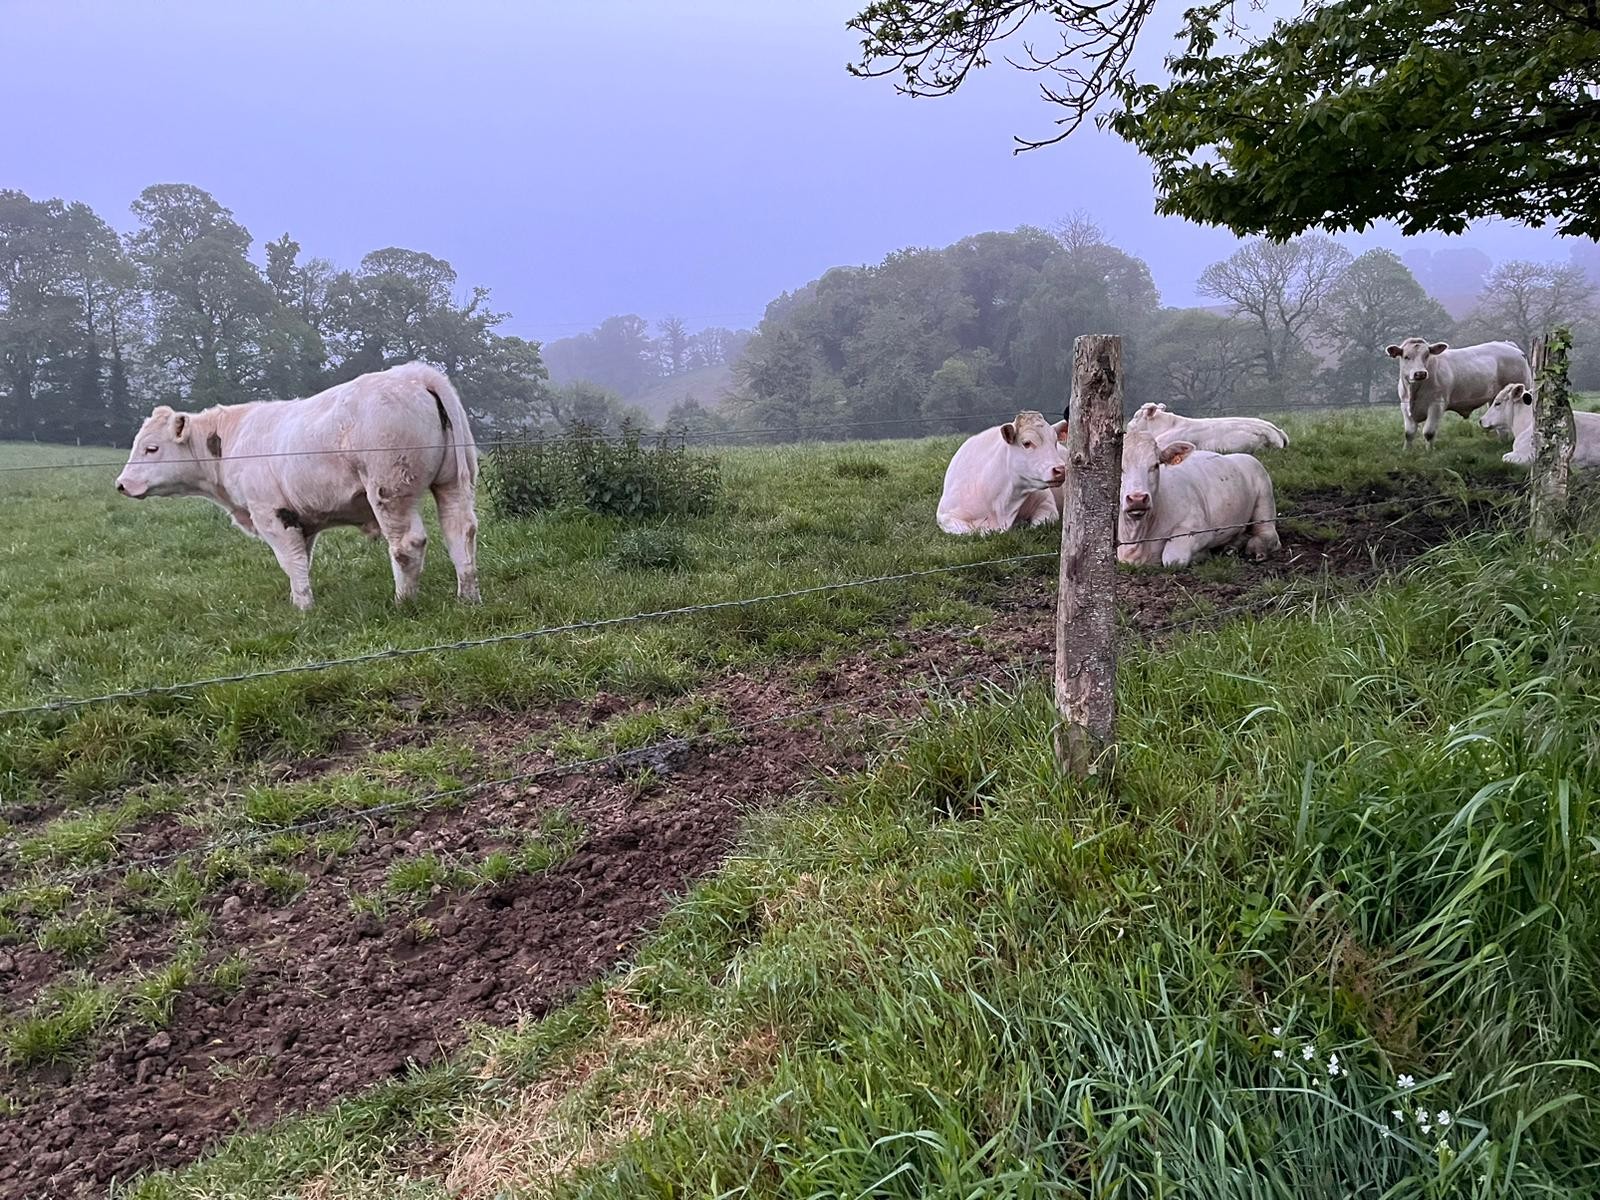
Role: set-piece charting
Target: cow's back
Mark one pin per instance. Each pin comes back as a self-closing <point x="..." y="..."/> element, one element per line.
<point x="1473" y="375"/>
<point x="400" y="429"/>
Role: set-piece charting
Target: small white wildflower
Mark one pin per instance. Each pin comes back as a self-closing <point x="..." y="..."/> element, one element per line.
<point x="1422" y="1119"/>
<point x="1397" y="1115"/>
<point x="1406" y="1082"/>
<point x="1444" y="1117"/>
<point x="1308" y="1053"/>
<point x="1425" y="1127"/>
<point x="1277" y="1031"/>
<point x="1277" y="1054"/>
<point x="1333" y="1065"/>
<point x="1385" y="1132"/>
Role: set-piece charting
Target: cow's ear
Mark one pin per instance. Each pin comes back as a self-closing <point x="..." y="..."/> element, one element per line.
<point x="1161" y="408"/>
<point x="1148" y="410"/>
<point x="1174" y="453"/>
<point x="180" y="426"/>
<point x="1438" y="347"/>
<point x="1008" y="431"/>
<point x="1061" y="431"/>
<point x="1393" y="351"/>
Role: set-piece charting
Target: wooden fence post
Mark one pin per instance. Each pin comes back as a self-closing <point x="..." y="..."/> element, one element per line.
<point x="1554" y="435"/>
<point x="1086" y="608"/>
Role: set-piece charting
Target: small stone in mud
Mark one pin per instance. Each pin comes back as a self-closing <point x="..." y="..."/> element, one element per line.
<point x="160" y="1044"/>
<point x="231" y="906"/>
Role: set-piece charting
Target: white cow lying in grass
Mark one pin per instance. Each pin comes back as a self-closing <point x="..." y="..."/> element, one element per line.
<point x="362" y="453"/>
<point x="1434" y="378"/>
<point x="1222" y="435"/>
<point x="1179" y="502"/>
<point x="1511" y="416"/>
<point x="1004" y="476"/>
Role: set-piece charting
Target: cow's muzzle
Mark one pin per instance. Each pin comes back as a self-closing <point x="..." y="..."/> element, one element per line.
<point x="1136" y="504"/>
<point x="1419" y="376"/>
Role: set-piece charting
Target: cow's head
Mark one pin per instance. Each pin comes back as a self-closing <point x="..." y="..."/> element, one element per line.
<point x="1033" y="451"/>
<point x="1415" y="356"/>
<point x="1142" y="461"/>
<point x="163" y="461"/>
<point x="1148" y="415"/>
<point x="1501" y="415"/>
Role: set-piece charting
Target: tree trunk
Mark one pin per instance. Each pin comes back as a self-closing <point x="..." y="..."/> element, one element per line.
<point x="1086" y="610"/>
<point x="1554" y="435"/>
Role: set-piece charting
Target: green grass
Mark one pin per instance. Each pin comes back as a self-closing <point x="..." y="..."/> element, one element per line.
<point x="194" y="598"/>
<point x="1366" y="829"/>
<point x="420" y="876"/>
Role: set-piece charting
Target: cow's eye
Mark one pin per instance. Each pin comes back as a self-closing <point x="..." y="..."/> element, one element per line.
<point x="1027" y="445"/>
<point x="151" y="449"/>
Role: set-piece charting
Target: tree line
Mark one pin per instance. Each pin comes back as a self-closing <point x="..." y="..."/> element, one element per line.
<point x="96" y="327"/>
<point x="986" y="327"/>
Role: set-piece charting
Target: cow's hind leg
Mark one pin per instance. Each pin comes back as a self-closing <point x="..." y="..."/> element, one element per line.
<point x="458" y="521"/>
<point x="293" y="551"/>
<point x="400" y="520"/>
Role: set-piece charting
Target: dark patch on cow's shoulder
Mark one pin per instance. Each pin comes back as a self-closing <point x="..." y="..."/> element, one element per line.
<point x="444" y="417"/>
<point x="290" y="518"/>
<point x="214" y="444"/>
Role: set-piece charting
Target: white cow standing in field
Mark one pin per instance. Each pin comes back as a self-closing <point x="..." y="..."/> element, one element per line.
<point x="1434" y="378"/>
<point x="1006" y="475"/>
<point x="1510" y="415"/>
<point x="1179" y="502"/>
<point x="362" y="453"/>
<point x="1222" y="435"/>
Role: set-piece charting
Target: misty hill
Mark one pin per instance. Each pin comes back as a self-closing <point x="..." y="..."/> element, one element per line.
<point x="710" y="385"/>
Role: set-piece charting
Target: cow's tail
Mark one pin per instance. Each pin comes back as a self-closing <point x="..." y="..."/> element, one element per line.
<point x="454" y="426"/>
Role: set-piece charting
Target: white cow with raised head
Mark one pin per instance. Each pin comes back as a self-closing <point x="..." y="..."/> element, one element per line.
<point x="1179" y="502"/>
<point x="1222" y="435"/>
<point x="362" y="453"/>
<point x="1435" y="378"/>
<point x="1510" y="415"/>
<point x="1004" y="476"/>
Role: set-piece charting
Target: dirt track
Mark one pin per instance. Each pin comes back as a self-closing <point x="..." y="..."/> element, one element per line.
<point x="337" y="1000"/>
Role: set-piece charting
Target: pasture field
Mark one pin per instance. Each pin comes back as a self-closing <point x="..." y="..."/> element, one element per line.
<point x="379" y="931"/>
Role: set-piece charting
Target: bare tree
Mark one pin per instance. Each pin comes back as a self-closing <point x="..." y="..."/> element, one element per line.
<point x="1079" y="231"/>
<point x="1281" y="287"/>
<point x="1522" y="301"/>
<point x="1204" y="359"/>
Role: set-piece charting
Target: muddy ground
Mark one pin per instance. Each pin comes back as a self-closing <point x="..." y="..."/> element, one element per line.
<point x="335" y="999"/>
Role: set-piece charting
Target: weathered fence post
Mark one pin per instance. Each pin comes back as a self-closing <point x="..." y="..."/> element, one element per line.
<point x="1554" y="435"/>
<point x="1086" y="609"/>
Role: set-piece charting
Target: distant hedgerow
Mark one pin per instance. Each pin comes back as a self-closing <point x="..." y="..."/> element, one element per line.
<point x="619" y="477"/>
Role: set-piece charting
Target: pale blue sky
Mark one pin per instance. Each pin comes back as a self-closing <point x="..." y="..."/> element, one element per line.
<point x="579" y="158"/>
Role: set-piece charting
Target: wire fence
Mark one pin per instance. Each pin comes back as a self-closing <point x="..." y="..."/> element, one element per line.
<point x="392" y="653"/>
<point x="653" y="753"/>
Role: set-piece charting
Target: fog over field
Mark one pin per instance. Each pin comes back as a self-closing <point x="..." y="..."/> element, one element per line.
<point x="581" y="160"/>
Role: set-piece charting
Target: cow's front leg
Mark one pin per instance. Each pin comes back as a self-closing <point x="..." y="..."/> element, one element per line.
<point x="293" y="549"/>
<point x="1410" y="421"/>
<point x="1430" y="425"/>
<point x="1039" y="509"/>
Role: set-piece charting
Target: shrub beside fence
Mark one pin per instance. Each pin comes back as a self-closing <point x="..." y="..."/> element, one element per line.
<point x="621" y="477"/>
